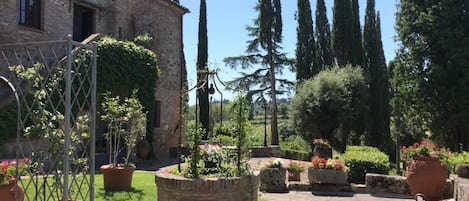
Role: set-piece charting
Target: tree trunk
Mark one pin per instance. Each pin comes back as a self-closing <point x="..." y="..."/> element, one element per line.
<point x="273" y="124"/>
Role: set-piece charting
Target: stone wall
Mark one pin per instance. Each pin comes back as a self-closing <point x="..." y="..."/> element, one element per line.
<point x="378" y="183"/>
<point x="269" y="151"/>
<point x="461" y="189"/>
<point x="177" y="188"/>
<point x="124" y="19"/>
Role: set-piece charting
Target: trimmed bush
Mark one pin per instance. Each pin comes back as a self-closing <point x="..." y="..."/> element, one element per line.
<point x="363" y="159"/>
<point x="296" y="155"/>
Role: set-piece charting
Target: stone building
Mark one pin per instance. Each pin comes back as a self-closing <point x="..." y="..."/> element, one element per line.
<point x="46" y="20"/>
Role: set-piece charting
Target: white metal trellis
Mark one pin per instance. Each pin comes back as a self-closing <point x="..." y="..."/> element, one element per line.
<point x="61" y="163"/>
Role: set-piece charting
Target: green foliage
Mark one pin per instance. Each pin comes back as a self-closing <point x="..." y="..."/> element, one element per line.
<point x="378" y="133"/>
<point x="124" y="66"/>
<point x="331" y="100"/>
<point x="8" y="122"/>
<point x="456" y="159"/>
<point x="194" y="160"/>
<point x="264" y="51"/>
<point x="323" y="36"/>
<point x="342" y="32"/>
<point x="363" y="159"/>
<point x="202" y="70"/>
<point x="126" y="122"/>
<point x="296" y="154"/>
<point x="306" y="64"/>
<point x="434" y="58"/>
<point x="242" y="127"/>
<point x="295" y="142"/>
<point x="295" y="167"/>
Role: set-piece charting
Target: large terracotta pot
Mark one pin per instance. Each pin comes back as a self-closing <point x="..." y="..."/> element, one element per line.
<point x="322" y="151"/>
<point x="294" y="176"/>
<point x="7" y="192"/>
<point x="117" y="178"/>
<point x="426" y="175"/>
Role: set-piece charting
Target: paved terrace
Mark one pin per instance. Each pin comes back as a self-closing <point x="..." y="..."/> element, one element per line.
<point x="257" y="163"/>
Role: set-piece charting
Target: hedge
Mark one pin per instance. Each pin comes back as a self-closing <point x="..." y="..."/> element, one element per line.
<point x="364" y="159"/>
<point x="296" y="155"/>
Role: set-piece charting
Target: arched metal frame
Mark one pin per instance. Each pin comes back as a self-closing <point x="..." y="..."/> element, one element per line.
<point x="73" y="94"/>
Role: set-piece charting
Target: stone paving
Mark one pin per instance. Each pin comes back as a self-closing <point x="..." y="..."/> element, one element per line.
<point x="257" y="163"/>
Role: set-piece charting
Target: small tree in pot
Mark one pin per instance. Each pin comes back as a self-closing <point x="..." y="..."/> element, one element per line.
<point x="126" y="123"/>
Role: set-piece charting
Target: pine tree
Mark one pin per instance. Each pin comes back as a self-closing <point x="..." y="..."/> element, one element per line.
<point x="306" y="65"/>
<point x="202" y="68"/>
<point x="264" y="50"/>
<point x="323" y="36"/>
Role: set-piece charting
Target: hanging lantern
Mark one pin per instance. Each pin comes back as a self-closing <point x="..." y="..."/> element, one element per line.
<point x="211" y="90"/>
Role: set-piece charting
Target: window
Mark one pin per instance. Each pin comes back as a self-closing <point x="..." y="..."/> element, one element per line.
<point x="157" y="117"/>
<point x="30" y="13"/>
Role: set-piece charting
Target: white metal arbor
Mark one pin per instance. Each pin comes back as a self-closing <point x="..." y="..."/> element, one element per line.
<point x="55" y="87"/>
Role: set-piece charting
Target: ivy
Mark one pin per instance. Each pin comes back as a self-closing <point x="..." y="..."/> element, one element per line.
<point x="124" y="66"/>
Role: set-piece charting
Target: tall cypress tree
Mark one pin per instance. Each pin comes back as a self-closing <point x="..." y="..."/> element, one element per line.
<point x="306" y="65"/>
<point x="323" y="36"/>
<point x="264" y="52"/>
<point x="342" y="32"/>
<point x="202" y="68"/>
<point x="375" y="71"/>
<point x="356" y="41"/>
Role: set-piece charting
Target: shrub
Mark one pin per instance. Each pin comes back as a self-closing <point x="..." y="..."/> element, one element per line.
<point x="459" y="158"/>
<point x="296" y="154"/>
<point x="295" y="167"/>
<point x="362" y="159"/>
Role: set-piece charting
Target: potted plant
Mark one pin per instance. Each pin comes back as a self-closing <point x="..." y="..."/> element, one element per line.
<point x="273" y="176"/>
<point x="425" y="168"/>
<point x="212" y="155"/>
<point x="322" y="148"/>
<point x="9" y="190"/>
<point x="327" y="171"/>
<point x="126" y="123"/>
<point x="294" y="171"/>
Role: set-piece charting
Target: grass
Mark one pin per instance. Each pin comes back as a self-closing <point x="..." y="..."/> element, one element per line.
<point x="143" y="188"/>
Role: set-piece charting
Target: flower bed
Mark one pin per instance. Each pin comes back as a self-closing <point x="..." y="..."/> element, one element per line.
<point x="178" y="188"/>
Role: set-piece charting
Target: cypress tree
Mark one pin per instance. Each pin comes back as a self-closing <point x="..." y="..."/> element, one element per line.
<point x="356" y="41"/>
<point x="323" y="36"/>
<point x="342" y="32"/>
<point x="375" y="68"/>
<point x="202" y="68"/>
<point x="306" y="65"/>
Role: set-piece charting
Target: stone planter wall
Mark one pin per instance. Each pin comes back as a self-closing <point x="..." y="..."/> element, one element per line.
<point x="269" y="151"/>
<point x="326" y="176"/>
<point x="273" y="180"/>
<point x="176" y="188"/>
<point x="378" y="183"/>
<point x="461" y="189"/>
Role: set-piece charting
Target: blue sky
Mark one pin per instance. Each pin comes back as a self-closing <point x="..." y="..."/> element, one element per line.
<point x="227" y="35"/>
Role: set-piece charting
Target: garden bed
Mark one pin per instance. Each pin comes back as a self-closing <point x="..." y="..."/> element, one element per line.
<point x="178" y="188"/>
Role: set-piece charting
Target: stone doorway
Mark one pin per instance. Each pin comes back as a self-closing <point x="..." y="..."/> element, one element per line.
<point x="83" y="22"/>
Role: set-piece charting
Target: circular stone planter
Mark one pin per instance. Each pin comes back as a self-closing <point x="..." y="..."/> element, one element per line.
<point x="177" y="188"/>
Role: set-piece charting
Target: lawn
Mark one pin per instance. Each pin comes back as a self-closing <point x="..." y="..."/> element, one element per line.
<point x="143" y="188"/>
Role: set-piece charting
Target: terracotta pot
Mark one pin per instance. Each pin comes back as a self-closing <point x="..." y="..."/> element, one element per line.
<point x="426" y="175"/>
<point x="117" y="178"/>
<point x="321" y="151"/>
<point x="294" y="176"/>
<point x="7" y="192"/>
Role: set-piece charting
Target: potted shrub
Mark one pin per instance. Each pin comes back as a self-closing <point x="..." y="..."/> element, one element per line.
<point x="294" y="171"/>
<point x="327" y="171"/>
<point x="322" y="148"/>
<point x="425" y="168"/>
<point x="126" y="123"/>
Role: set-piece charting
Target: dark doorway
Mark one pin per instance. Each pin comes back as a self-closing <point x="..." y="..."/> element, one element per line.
<point x="83" y="22"/>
